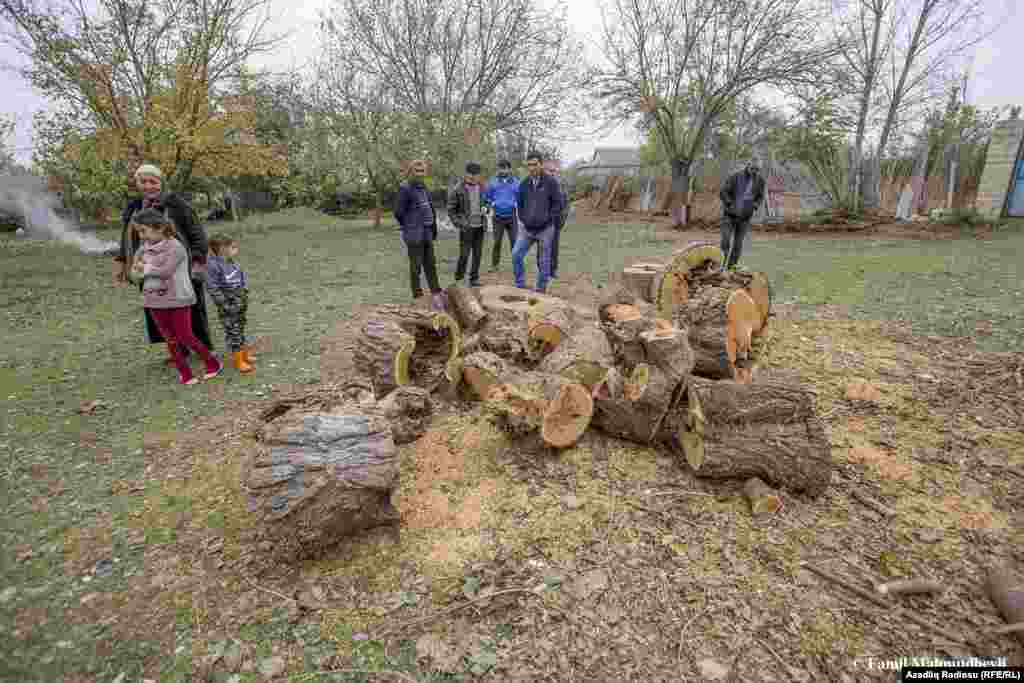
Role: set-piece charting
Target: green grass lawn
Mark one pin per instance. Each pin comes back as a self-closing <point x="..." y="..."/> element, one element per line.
<point x="71" y="337"/>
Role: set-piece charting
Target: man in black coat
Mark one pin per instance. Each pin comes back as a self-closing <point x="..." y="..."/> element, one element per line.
<point x="741" y="196"/>
<point x="540" y="209"/>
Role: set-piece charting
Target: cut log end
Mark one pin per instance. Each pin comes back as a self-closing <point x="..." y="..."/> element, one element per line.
<point x="639" y="279"/>
<point x="636" y="384"/>
<point x="760" y="290"/>
<point x="763" y="500"/>
<point x="909" y="587"/>
<point x="567" y="416"/>
<point x="483" y="371"/>
<point x="743" y="318"/>
<point x="619" y="313"/>
<point x="545" y="338"/>
<point x="695" y="256"/>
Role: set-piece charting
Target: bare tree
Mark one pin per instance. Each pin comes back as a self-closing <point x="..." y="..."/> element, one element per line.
<point x="458" y="65"/>
<point x="899" y="53"/>
<point x="108" y="62"/>
<point x="677" y="65"/>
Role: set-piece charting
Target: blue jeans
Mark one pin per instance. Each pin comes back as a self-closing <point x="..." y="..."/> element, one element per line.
<point x="524" y="241"/>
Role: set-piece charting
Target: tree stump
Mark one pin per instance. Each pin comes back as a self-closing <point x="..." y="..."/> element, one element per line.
<point x="585" y="357"/>
<point x="1006" y="590"/>
<point x="409" y="410"/>
<point x="547" y="329"/>
<point x="484" y="370"/>
<point x="384" y="352"/>
<point x="637" y="410"/>
<point x="558" y="408"/>
<point x="762" y="499"/>
<point x="318" y="477"/>
<point x="467" y="307"/>
<point x="721" y="326"/>
<point x="771" y="431"/>
<point x="639" y="279"/>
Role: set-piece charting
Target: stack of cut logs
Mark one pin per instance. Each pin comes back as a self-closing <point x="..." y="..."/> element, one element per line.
<point x="665" y="360"/>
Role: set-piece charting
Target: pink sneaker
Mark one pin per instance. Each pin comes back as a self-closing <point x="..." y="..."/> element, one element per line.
<point x="210" y="374"/>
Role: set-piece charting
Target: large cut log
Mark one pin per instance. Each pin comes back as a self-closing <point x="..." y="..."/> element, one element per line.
<point x="695" y="259"/>
<point x="385" y="355"/>
<point x="467" y="307"/>
<point x="620" y="304"/>
<point x="639" y="279"/>
<point x="667" y="348"/>
<point x="585" y="357"/>
<point x="510" y="312"/>
<point x="756" y="285"/>
<point x="548" y="328"/>
<point x="1006" y="590"/>
<point x="721" y="326"/>
<point x="636" y="411"/>
<point x="557" y="408"/>
<point x="727" y="430"/>
<point x="484" y="370"/>
<point x="316" y="478"/>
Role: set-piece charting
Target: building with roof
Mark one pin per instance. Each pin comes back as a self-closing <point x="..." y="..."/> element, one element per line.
<point x="612" y="161"/>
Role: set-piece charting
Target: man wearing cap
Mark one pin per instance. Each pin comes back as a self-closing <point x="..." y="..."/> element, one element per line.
<point x="501" y="197"/>
<point x="741" y="196"/>
<point x="466" y="211"/>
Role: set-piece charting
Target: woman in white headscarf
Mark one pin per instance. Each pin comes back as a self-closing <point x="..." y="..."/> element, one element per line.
<point x="149" y="181"/>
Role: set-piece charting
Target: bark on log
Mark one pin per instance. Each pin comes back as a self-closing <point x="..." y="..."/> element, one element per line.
<point x="772" y="431"/>
<point x="909" y="587"/>
<point x="484" y="370"/>
<point x="385" y="355"/>
<point x="639" y="279"/>
<point x="409" y="411"/>
<point x="695" y="259"/>
<point x="637" y="411"/>
<point x="316" y="478"/>
<point x="558" y="408"/>
<point x="548" y="329"/>
<point x="1006" y="590"/>
<point x="468" y="309"/>
<point x="667" y="348"/>
<point x="721" y="323"/>
<point x="670" y="292"/>
<point x="762" y="499"/>
<point x="756" y="285"/>
<point x="585" y="357"/>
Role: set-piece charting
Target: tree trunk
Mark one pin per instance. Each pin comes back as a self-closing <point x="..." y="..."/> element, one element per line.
<point x="483" y="370"/>
<point x="638" y="409"/>
<point x="639" y="279"/>
<point x="771" y="431"/>
<point x="409" y="410"/>
<point x="559" y="409"/>
<point x="756" y="285"/>
<point x="316" y="478"/>
<point x="585" y="357"/>
<point x="1006" y="590"/>
<point x="388" y="359"/>
<point x="548" y="329"/>
<point x="668" y="348"/>
<point x="669" y="292"/>
<point x="680" y="188"/>
<point x="468" y="309"/>
<point x="721" y="326"/>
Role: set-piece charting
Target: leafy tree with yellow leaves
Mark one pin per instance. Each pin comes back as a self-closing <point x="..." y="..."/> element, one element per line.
<point x="157" y="81"/>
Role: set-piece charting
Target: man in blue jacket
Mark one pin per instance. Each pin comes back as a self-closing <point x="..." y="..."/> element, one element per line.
<point x="414" y="212"/>
<point x="539" y="203"/>
<point x="501" y="196"/>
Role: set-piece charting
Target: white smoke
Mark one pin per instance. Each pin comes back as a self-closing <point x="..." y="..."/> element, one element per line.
<point x="26" y="197"/>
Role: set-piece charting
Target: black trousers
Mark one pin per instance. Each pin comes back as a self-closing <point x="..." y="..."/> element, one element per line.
<point x="502" y="226"/>
<point x="421" y="258"/>
<point x="200" y="322"/>
<point x="471" y="246"/>
<point x="734" y="230"/>
<point x="554" y="249"/>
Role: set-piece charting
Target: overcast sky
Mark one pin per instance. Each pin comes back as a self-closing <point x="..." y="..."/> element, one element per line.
<point x="996" y="79"/>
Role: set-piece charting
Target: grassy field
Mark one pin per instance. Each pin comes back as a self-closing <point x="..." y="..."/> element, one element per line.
<point x="72" y="338"/>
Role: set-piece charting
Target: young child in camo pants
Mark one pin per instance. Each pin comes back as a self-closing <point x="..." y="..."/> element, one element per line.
<point x="229" y="289"/>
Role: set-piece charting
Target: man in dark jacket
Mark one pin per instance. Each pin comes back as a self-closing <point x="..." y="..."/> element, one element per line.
<point x="501" y="194"/>
<point x="415" y="213"/>
<point x="540" y="209"/>
<point x="551" y="168"/>
<point x="466" y="211"/>
<point x="741" y="196"/>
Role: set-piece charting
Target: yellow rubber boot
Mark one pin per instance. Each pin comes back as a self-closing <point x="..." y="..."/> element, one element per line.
<point x="241" y="364"/>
